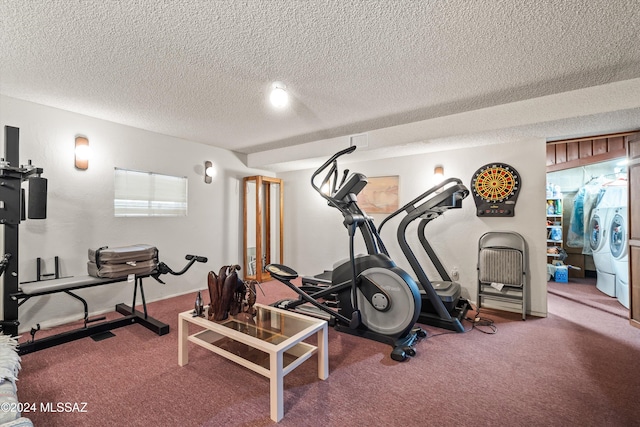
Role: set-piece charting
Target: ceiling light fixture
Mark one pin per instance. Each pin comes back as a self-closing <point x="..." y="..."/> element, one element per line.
<point x="279" y="96"/>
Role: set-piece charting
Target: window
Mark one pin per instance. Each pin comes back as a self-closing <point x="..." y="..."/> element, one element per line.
<point x="149" y="194"/>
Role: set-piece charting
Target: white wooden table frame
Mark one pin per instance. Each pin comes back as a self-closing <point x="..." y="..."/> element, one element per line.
<point x="292" y="346"/>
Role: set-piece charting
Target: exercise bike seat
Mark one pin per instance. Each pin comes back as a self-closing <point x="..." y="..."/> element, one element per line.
<point x="281" y="272"/>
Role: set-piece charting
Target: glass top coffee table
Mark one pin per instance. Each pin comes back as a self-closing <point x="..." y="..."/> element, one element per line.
<point x="270" y="343"/>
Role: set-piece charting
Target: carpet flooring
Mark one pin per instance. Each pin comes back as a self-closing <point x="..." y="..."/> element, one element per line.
<point x="576" y="367"/>
<point x="584" y="291"/>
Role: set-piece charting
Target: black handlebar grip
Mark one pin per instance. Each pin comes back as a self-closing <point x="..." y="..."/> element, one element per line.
<point x="198" y="258"/>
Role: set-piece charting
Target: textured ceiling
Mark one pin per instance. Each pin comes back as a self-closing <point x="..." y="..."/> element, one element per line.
<point x="200" y="70"/>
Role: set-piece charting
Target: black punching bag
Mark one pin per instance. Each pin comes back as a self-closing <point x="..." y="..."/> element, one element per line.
<point x="37" y="198"/>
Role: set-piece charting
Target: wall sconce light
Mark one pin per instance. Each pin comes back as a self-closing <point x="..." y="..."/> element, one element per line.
<point x="209" y="172"/>
<point x="82" y="153"/>
<point x="438" y="174"/>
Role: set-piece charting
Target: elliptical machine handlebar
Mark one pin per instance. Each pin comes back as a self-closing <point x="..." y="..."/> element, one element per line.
<point x="333" y="165"/>
<point x="344" y="199"/>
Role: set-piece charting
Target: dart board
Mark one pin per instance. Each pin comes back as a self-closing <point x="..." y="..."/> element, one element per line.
<point x="495" y="190"/>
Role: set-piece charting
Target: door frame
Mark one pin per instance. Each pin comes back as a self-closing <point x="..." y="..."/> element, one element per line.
<point x="633" y="174"/>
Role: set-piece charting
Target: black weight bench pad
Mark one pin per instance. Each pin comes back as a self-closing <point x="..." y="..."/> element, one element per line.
<point x="68" y="284"/>
<point x="65" y="284"/>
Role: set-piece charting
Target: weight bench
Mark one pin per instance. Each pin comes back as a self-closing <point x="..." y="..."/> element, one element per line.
<point x="70" y="284"/>
<point x="67" y="285"/>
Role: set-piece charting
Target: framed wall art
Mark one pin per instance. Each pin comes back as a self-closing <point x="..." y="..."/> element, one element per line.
<point x="380" y="196"/>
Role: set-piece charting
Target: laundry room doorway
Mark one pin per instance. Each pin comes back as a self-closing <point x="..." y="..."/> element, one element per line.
<point x="587" y="222"/>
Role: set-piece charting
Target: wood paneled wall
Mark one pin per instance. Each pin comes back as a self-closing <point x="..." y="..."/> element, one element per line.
<point x="580" y="152"/>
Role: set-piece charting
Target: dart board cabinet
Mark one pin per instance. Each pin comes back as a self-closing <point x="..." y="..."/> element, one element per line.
<point x="495" y="188"/>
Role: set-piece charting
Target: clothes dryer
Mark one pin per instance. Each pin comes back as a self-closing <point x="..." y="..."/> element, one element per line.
<point x="618" y="241"/>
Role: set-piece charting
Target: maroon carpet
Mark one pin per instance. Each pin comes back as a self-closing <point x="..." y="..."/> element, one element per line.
<point x="584" y="291"/>
<point x="579" y="366"/>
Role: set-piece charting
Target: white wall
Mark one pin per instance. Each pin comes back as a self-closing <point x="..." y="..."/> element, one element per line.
<point x="80" y="206"/>
<point x="80" y="209"/>
<point x="315" y="236"/>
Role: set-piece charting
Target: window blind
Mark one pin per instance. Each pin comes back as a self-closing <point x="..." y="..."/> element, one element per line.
<point x="144" y="194"/>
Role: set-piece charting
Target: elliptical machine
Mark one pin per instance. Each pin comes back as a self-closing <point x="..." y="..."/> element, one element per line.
<point x="441" y="303"/>
<point x="368" y="296"/>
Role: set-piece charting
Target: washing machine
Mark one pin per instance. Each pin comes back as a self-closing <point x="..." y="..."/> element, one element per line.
<point x="606" y="279"/>
<point x="618" y="242"/>
<point x="613" y="197"/>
